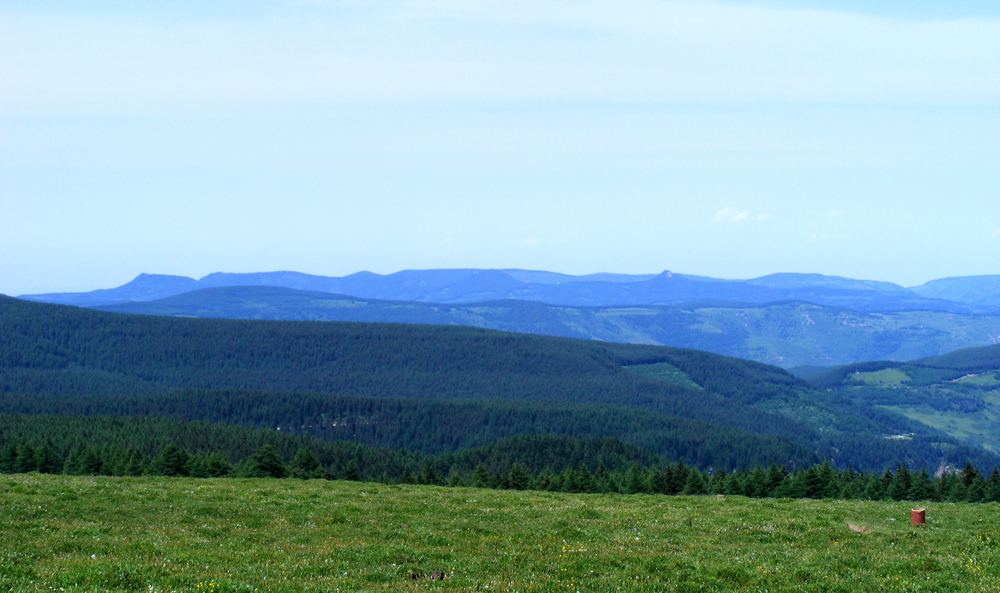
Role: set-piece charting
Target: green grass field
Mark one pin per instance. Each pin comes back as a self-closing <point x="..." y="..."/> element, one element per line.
<point x="169" y="534"/>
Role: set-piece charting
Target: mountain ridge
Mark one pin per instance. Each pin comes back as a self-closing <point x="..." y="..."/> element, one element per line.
<point x="786" y="334"/>
<point x="466" y="285"/>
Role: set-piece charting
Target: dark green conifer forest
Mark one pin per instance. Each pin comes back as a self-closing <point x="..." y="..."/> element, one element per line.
<point x="431" y="403"/>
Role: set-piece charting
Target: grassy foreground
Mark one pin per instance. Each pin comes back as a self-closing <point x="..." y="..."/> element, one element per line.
<point x="173" y="534"/>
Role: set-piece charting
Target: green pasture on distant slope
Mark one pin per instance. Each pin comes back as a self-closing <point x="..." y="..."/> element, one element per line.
<point x="160" y="534"/>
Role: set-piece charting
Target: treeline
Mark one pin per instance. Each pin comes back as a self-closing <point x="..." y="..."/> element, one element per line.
<point x="111" y="442"/>
<point x="816" y="482"/>
<point x="434" y="426"/>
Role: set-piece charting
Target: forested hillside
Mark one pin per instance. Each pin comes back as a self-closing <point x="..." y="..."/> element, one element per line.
<point x="786" y="334"/>
<point x="957" y="393"/>
<point x="130" y="446"/>
<point x="63" y="352"/>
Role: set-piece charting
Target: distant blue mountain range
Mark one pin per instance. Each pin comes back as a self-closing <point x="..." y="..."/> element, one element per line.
<point x="970" y="294"/>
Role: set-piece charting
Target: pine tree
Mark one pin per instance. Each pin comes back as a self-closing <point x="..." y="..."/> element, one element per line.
<point x="428" y="476"/>
<point x="406" y="477"/>
<point x="138" y="463"/>
<point x="8" y="459"/>
<point x="776" y="476"/>
<point x="71" y="467"/>
<point x="351" y="472"/>
<point x="899" y="488"/>
<point x="209" y="465"/>
<point x="517" y="478"/>
<point x="634" y="481"/>
<point x="25" y="461"/>
<point x="601" y="479"/>
<point x="992" y="492"/>
<point x="264" y="463"/>
<point x="47" y="460"/>
<point x="921" y="487"/>
<point x="678" y="478"/>
<point x="305" y="465"/>
<point x="581" y="479"/>
<point x="717" y="482"/>
<point x="171" y="462"/>
<point x="696" y="483"/>
<point x="90" y="463"/>
<point x="481" y="477"/>
<point x="873" y="489"/>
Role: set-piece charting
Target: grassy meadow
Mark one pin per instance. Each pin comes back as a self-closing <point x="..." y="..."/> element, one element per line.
<point x="171" y="534"/>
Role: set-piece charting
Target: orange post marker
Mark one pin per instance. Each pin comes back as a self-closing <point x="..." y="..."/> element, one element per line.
<point x="916" y="516"/>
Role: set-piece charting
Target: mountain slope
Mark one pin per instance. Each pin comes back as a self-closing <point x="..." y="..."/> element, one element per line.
<point x="786" y="334"/>
<point x="69" y="352"/>
<point x="957" y="393"/>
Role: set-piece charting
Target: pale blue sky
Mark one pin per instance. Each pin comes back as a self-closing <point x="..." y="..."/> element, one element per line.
<point x="731" y="139"/>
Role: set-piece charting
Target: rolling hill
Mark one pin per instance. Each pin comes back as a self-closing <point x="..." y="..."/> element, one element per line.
<point x="66" y="356"/>
<point x="957" y="393"/>
<point x="787" y="334"/>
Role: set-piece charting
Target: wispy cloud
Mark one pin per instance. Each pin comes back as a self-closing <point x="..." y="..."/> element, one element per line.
<point x="834" y="214"/>
<point x="729" y="214"/>
<point x="530" y="241"/>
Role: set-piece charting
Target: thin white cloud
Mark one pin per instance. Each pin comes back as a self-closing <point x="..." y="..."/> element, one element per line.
<point x="723" y="214"/>
<point x="834" y="214"/>
<point x="730" y="214"/>
<point x="530" y="241"/>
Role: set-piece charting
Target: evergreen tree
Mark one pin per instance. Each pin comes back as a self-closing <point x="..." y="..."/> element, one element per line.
<point x="407" y="477"/>
<point x="8" y="459"/>
<point x="873" y="489"/>
<point x="581" y="480"/>
<point x="305" y="465"/>
<point x="138" y="463"/>
<point x="89" y="462"/>
<point x="776" y="476"/>
<point x="206" y="465"/>
<point x="481" y="477"/>
<point x="813" y="483"/>
<point x="602" y="481"/>
<point x="353" y="474"/>
<point x="170" y="462"/>
<point x="517" y="478"/>
<point x="992" y="491"/>
<point x="634" y="482"/>
<point x="717" y="481"/>
<point x="428" y="476"/>
<point x="71" y="467"/>
<point x="921" y="487"/>
<point x="678" y="478"/>
<point x="943" y="485"/>
<point x="264" y="463"/>
<point x="47" y="461"/>
<point x="755" y="483"/>
<point x="25" y="461"/>
<point x="696" y="483"/>
<point x="899" y="488"/>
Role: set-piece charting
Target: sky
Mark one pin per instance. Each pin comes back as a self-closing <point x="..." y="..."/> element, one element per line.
<point x="729" y="139"/>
